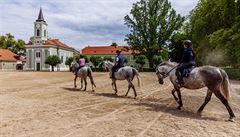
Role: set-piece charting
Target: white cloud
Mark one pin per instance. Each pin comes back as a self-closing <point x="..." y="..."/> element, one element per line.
<point x="75" y="22"/>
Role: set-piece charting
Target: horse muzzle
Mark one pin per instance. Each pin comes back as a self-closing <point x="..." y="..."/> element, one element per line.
<point x="160" y="81"/>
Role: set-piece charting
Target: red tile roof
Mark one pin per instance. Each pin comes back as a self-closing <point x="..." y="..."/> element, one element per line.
<point x="56" y="42"/>
<point x="106" y="50"/>
<point x="7" y="55"/>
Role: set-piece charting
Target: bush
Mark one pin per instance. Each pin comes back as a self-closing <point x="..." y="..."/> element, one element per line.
<point x="233" y="74"/>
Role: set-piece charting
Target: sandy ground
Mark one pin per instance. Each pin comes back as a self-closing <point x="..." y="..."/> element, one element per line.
<point x="46" y="104"/>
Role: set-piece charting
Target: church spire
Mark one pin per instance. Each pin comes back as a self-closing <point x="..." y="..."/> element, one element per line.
<point x="40" y="16"/>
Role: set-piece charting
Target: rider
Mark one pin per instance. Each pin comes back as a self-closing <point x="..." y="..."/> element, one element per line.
<point x="119" y="62"/>
<point x="187" y="61"/>
<point x="81" y="63"/>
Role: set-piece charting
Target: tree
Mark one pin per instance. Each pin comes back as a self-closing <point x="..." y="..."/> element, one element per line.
<point x="125" y="60"/>
<point x="141" y="60"/>
<point x="114" y="44"/>
<point x="176" y="47"/>
<point x="53" y="61"/>
<point x="152" y="23"/>
<point x="69" y="62"/>
<point x="156" y="60"/>
<point x="95" y="60"/>
<point x="109" y="58"/>
<point x="16" y="46"/>
<point x="208" y="17"/>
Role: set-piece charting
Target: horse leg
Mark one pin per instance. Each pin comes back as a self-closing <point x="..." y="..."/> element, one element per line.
<point x="81" y="84"/>
<point x="207" y="99"/>
<point x="85" y="81"/>
<point x="180" y="99"/>
<point x="75" y="86"/>
<point x="128" y="90"/>
<point x="130" y="84"/>
<point x="114" y="86"/>
<point x="225" y="102"/>
<point x="173" y="93"/>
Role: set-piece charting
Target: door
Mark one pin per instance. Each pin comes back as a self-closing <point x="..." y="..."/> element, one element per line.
<point x="38" y="66"/>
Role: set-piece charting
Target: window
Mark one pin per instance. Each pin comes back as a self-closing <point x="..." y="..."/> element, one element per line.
<point x="45" y="33"/>
<point x="38" y="32"/>
<point x="38" y="55"/>
<point x="61" y="59"/>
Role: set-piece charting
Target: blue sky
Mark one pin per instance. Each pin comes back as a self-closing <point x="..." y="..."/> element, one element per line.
<point x="77" y="23"/>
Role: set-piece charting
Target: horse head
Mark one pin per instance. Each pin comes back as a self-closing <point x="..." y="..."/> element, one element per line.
<point x="163" y="70"/>
<point x="74" y="66"/>
<point x="107" y="65"/>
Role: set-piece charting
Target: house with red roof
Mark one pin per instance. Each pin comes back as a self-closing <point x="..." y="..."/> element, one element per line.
<point x="42" y="47"/>
<point x="10" y="60"/>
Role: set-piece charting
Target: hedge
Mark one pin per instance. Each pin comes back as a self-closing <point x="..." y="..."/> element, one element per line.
<point x="233" y="74"/>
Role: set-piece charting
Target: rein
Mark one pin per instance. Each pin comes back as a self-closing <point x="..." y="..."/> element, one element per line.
<point x="165" y="75"/>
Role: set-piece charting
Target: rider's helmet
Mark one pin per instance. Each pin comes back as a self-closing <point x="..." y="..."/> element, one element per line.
<point x="188" y="43"/>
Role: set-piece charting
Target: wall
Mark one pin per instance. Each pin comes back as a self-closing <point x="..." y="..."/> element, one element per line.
<point x="8" y="65"/>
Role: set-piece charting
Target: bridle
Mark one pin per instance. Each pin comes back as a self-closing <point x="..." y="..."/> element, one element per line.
<point x="166" y="74"/>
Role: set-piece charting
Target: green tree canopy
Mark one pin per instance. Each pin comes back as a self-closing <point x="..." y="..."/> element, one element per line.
<point x="53" y="61"/>
<point x="69" y="61"/>
<point x="95" y="60"/>
<point x="152" y="23"/>
<point x="213" y="21"/>
<point x="141" y="60"/>
<point x="16" y="46"/>
<point x="109" y="58"/>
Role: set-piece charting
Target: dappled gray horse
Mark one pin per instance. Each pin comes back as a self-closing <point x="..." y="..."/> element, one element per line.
<point x="215" y="79"/>
<point x="125" y="73"/>
<point x="83" y="73"/>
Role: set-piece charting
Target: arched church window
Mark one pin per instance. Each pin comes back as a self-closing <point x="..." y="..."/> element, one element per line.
<point x="45" y="33"/>
<point x="38" y="32"/>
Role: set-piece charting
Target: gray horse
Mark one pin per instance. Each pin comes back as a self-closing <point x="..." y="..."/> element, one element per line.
<point x="83" y="73"/>
<point x="123" y="73"/>
<point x="215" y="79"/>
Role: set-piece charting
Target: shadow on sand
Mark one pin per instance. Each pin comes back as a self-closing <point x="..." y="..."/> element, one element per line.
<point x="75" y="89"/>
<point x="169" y="106"/>
<point x="112" y="95"/>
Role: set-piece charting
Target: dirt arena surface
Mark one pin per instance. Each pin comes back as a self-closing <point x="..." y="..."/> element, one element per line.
<point x="46" y="104"/>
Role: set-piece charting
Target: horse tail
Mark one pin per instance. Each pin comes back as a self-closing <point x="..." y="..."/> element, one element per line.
<point x="225" y="85"/>
<point x="90" y="76"/>
<point x="135" y="72"/>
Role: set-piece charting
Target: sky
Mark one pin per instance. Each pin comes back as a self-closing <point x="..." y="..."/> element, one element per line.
<point x="77" y="23"/>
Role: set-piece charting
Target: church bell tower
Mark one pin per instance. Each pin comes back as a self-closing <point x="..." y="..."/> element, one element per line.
<point x="40" y="30"/>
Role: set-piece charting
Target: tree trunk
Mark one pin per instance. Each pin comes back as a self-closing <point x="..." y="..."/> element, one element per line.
<point x="52" y="68"/>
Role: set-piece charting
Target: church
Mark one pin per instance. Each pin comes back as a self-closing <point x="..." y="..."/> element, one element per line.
<point x="41" y="47"/>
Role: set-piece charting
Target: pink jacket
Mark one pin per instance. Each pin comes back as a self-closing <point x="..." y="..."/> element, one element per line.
<point x="81" y="62"/>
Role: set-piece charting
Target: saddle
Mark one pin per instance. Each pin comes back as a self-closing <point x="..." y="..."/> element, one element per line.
<point x="187" y="71"/>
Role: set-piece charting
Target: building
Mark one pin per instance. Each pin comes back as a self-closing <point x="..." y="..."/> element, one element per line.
<point x="111" y="51"/>
<point x="10" y="60"/>
<point x="42" y="47"/>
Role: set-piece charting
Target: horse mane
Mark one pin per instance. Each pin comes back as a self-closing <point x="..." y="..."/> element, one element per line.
<point x="168" y="63"/>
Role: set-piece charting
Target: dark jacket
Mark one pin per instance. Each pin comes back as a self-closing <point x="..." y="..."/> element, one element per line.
<point x="120" y="60"/>
<point x="188" y="56"/>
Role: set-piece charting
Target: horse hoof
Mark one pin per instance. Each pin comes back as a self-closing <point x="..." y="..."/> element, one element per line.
<point x="199" y="113"/>
<point x="231" y="119"/>
<point x="179" y="108"/>
<point x="93" y="90"/>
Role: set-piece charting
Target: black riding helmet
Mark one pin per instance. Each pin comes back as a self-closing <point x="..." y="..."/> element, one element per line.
<point x="188" y="43"/>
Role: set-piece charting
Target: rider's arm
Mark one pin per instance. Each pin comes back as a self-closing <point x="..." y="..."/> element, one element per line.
<point x="116" y="62"/>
